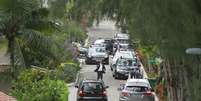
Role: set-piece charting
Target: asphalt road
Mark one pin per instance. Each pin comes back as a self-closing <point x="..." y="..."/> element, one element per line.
<point x="106" y="29"/>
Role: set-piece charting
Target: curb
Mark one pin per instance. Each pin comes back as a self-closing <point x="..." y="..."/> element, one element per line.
<point x="81" y="63"/>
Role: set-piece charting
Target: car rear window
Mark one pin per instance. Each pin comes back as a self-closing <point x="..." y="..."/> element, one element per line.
<point x="126" y="62"/>
<point x="92" y="86"/>
<point x="136" y="88"/>
<point x="123" y="41"/>
<point x="101" y="50"/>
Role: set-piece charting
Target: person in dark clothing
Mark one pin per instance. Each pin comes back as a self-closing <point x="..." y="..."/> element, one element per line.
<point x="100" y="70"/>
<point x="138" y="74"/>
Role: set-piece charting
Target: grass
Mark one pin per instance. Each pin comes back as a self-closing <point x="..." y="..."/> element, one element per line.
<point x="3" y="45"/>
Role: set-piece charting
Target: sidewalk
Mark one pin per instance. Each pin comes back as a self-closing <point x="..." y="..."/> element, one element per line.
<point x="4" y="97"/>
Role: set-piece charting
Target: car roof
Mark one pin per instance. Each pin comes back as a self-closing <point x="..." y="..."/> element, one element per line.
<point x="92" y="80"/>
<point x="97" y="46"/>
<point x="125" y="54"/>
<point x="138" y="82"/>
<point x="122" y="36"/>
<point x="99" y="41"/>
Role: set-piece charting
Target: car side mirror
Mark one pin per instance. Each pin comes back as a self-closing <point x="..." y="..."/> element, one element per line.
<point x="139" y="65"/>
<point x="76" y="86"/>
<point x="106" y="87"/>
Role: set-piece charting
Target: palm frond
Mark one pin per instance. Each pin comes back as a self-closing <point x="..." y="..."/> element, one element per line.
<point x="39" y="43"/>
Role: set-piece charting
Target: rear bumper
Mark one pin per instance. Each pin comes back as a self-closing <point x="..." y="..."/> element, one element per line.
<point x="122" y="74"/>
<point x="92" y="99"/>
<point x="93" y="60"/>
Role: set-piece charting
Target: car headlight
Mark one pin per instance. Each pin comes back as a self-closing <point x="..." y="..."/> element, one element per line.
<point x="105" y="56"/>
<point x="119" y="70"/>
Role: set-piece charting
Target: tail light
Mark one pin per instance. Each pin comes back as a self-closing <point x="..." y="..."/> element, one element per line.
<point x="148" y="93"/>
<point x="104" y="93"/>
<point x="125" y="93"/>
<point x="81" y="93"/>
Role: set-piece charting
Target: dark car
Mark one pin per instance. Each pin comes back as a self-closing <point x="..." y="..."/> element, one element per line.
<point x="91" y="90"/>
<point x="109" y="45"/>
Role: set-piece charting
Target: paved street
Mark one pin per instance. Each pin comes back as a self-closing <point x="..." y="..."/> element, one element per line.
<point x="106" y="29"/>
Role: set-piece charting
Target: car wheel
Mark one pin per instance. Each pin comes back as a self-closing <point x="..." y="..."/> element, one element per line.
<point x="116" y="76"/>
<point x="87" y="61"/>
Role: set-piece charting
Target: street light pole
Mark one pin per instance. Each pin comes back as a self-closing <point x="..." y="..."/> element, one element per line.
<point x="197" y="52"/>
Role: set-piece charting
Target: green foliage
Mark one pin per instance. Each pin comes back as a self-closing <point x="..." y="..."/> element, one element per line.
<point x="68" y="71"/>
<point x="34" y="85"/>
<point x="74" y="31"/>
<point x="3" y="44"/>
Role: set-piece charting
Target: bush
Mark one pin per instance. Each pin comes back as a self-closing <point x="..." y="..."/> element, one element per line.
<point x="69" y="71"/>
<point x="34" y="85"/>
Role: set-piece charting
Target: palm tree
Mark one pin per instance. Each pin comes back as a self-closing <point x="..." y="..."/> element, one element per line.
<point x="21" y="22"/>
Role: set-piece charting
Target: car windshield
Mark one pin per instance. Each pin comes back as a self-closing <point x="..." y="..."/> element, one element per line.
<point x="123" y="41"/>
<point x="126" y="62"/>
<point x="92" y="87"/>
<point x="136" y="88"/>
<point x="100" y="50"/>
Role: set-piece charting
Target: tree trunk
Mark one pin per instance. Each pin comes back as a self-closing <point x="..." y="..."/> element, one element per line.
<point x="11" y="50"/>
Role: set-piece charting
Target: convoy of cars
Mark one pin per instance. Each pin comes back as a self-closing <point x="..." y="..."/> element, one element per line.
<point x="123" y="64"/>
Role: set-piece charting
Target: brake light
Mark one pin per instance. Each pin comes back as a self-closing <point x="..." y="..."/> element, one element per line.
<point x="148" y="93"/>
<point x="104" y="93"/>
<point x="125" y="93"/>
<point x="81" y="93"/>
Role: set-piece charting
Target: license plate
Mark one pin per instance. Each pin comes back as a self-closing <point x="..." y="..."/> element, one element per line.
<point x="137" y="96"/>
<point x="97" y="59"/>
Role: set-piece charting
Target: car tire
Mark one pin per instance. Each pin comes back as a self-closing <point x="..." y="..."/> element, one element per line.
<point x="87" y="61"/>
<point x="107" y="61"/>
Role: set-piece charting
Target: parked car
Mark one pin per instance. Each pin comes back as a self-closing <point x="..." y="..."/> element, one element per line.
<point x="122" y="40"/>
<point x="107" y="43"/>
<point x="123" y="67"/>
<point x="136" y="90"/>
<point x="97" y="53"/>
<point x="123" y="54"/>
<point x="91" y="90"/>
<point x="121" y="35"/>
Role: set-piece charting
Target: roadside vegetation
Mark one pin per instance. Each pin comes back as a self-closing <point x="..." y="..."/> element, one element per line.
<point x="40" y="47"/>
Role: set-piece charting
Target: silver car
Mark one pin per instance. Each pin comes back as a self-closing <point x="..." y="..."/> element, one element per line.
<point x="136" y="90"/>
<point x="123" y="67"/>
<point x="95" y="54"/>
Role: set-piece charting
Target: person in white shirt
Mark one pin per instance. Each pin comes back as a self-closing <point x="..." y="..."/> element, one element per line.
<point x="100" y="70"/>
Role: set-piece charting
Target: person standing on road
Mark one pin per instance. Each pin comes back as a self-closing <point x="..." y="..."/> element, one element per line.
<point x="100" y="70"/>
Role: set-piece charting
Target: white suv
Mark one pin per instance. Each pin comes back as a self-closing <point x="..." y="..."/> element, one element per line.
<point x="97" y="53"/>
